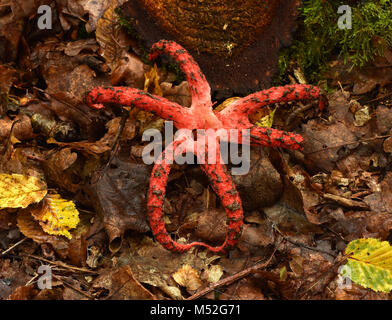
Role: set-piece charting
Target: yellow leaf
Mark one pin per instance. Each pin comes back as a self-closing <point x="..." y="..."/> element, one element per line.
<point x="57" y="216"/>
<point x="19" y="191"/>
<point x="215" y="272"/>
<point x="226" y="103"/>
<point x="262" y="118"/>
<point x="283" y="273"/>
<point x="187" y="277"/>
<point x="266" y="121"/>
<point x="152" y="78"/>
<point x="148" y="120"/>
<point x="369" y="264"/>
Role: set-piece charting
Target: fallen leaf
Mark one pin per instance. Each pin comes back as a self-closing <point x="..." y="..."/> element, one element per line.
<point x="120" y="284"/>
<point x="19" y="191"/>
<point x="262" y="185"/>
<point x="120" y="196"/>
<point x="107" y="33"/>
<point x="214" y="273"/>
<point x="32" y="229"/>
<point x="369" y="264"/>
<point x="362" y="116"/>
<point x="57" y="216"/>
<point x="187" y="277"/>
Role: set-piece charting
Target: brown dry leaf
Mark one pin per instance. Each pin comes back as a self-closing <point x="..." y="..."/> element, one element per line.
<point x="294" y="212"/>
<point x="66" y="93"/>
<point x="64" y="159"/>
<point x="131" y="70"/>
<point x="59" y="169"/>
<point x="356" y="292"/>
<point x="14" y="15"/>
<point x="209" y="225"/>
<point x="74" y="48"/>
<point x="316" y="274"/>
<point x="381" y="199"/>
<point x="19" y="191"/>
<point x="179" y="94"/>
<point x="22" y="129"/>
<point x="365" y="78"/>
<point x="187" y="277"/>
<point x="13" y="275"/>
<point x="383" y="119"/>
<point x="154" y="265"/>
<point x="121" y="284"/>
<point x="106" y="142"/>
<point x="321" y="146"/>
<point x="69" y="10"/>
<point x="7" y="77"/>
<point x="352" y="225"/>
<point x="262" y="185"/>
<point x="247" y="289"/>
<point x="24" y="293"/>
<point x="31" y="229"/>
<point x="112" y="197"/>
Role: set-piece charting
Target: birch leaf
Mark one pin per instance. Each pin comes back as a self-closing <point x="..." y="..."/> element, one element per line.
<point x="57" y="216"/>
<point x="19" y="191"/>
<point x="369" y="264"/>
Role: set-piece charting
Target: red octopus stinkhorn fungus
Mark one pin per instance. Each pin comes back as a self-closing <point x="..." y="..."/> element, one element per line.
<point x="202" y="116"/>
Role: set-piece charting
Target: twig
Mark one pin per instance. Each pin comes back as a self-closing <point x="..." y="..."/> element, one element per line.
<point x="32" y="279"/>
<point x="13" y="246"/>
<point x="380" y="98"/>
<point x="74" y="288"/>
<point x="63" y="102"/>
<point x="299" y="244"/>
<point x="348" y="143"/>
<point x="61" y="264"/>
<point x="297" y="111"/>
<point x="231" y="279"/>
<point x="7" y="143"/>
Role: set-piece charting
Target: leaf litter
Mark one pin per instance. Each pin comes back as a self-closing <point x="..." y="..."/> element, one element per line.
<point x="301" y="209"/>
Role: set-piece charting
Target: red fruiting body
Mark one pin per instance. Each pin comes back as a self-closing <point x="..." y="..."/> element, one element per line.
<point x="201" y="116"/>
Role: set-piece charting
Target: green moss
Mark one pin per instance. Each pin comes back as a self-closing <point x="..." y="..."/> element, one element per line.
<point x="128" y="24"/>
<point x="319" y="39"/>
